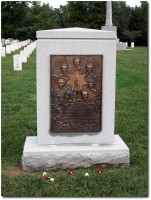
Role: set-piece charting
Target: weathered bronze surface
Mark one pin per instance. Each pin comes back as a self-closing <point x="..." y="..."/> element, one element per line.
<point x="76" y="93"/>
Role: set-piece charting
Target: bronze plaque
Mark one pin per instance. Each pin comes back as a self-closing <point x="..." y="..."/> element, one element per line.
<point x="76" y="93"/>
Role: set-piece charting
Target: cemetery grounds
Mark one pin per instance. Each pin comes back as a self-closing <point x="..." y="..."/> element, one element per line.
<point x="18" y="92"/>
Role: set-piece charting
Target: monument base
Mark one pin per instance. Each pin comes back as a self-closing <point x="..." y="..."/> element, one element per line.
<point x="52" y="157"/>
<point x="109" y="28"/>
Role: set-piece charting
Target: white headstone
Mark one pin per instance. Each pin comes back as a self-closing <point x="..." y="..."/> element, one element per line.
<point x="26" y="51"/>
<point x="3" y="42"/>
<point x="132" y="44"/>
<point x="3" y="52"/>
<point x="12" y="46"/>
<point x="16" y="46"/>
<point x="8" y="49"/>
<point x="21" y="52"/>
<point x="19" y="45"/>
<point x="17" y="62"/>
<point x="6" y="42"/>
<point x="23" y="58"/>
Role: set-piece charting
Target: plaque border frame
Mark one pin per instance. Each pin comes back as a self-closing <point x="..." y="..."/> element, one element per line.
<point x="59" y="132"/>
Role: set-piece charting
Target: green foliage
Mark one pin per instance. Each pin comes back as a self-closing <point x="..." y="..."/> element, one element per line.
<point x="131" y="123"/>
<point x="46" y="18"/>
<point x="144" y="27"/>
<point x="21" y="33"/>
<point x="21" y="21"/>
<point x="40" y="18"/>
<point x="12" y="16"/>
<point x="60" y="14"/>
<point x="88" y="14"/>
<point x="139" y="22"/>
<point x="121" y="16"/>
<point x="132" y="34"/>
<point x="92" y="15"/>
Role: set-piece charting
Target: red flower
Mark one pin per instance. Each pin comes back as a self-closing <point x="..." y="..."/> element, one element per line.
<point x="70" y="171"/>
<point x="100" y="171"/>
<point x="46" y="177"/>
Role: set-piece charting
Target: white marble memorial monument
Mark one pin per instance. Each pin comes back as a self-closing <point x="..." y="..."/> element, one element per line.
<point x="49" y="150"/>
<point x="109" y="26"/>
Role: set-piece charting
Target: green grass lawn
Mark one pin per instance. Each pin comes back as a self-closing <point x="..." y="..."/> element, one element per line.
<point x="131" y="123"/>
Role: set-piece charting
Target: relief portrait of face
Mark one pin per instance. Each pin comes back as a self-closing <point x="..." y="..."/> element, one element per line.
<point x="89" y="68"/>
<point x="64" y="68"/>
<point x="76" y="62"/>
<point x="90" y="85"/>
<point x="61" y="83"/>
<point x="66" y="96"/>
<point x="85" y="95"/>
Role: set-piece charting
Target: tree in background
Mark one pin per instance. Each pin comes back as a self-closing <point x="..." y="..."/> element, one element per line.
<point x="27" y="30"/>
<point x="132" y="35"/>
<point x="12" y="15"/>
<point x="59" y="15"/>
<point x="139" y="22"/>
<point x="84" y="14"/>
<point x="38" y="18"/>
<point x="121" y="17"/>
<point x="21" y="21"/>
<point x="46" y="18"/>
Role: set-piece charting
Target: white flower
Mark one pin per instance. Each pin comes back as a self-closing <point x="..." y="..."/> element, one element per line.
<point x="44" y="174"/>
<point x="86" y="174"/>
<point x="52" y="179"/>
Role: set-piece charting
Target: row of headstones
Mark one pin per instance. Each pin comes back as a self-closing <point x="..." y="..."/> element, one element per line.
<point x="4" y="42"/>
<point x="18" y="59"/>
<point x="8" y="41"/>
<point x="132" y="44"/>
<point x="126" y="44"/>
<point x="15" y="45"/>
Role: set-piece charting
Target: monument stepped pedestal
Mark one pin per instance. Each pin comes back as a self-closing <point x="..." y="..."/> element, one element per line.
<point x="52" y="157"/>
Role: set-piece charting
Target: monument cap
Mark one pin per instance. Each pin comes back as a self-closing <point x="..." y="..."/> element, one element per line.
<point x="72" y="33"/>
